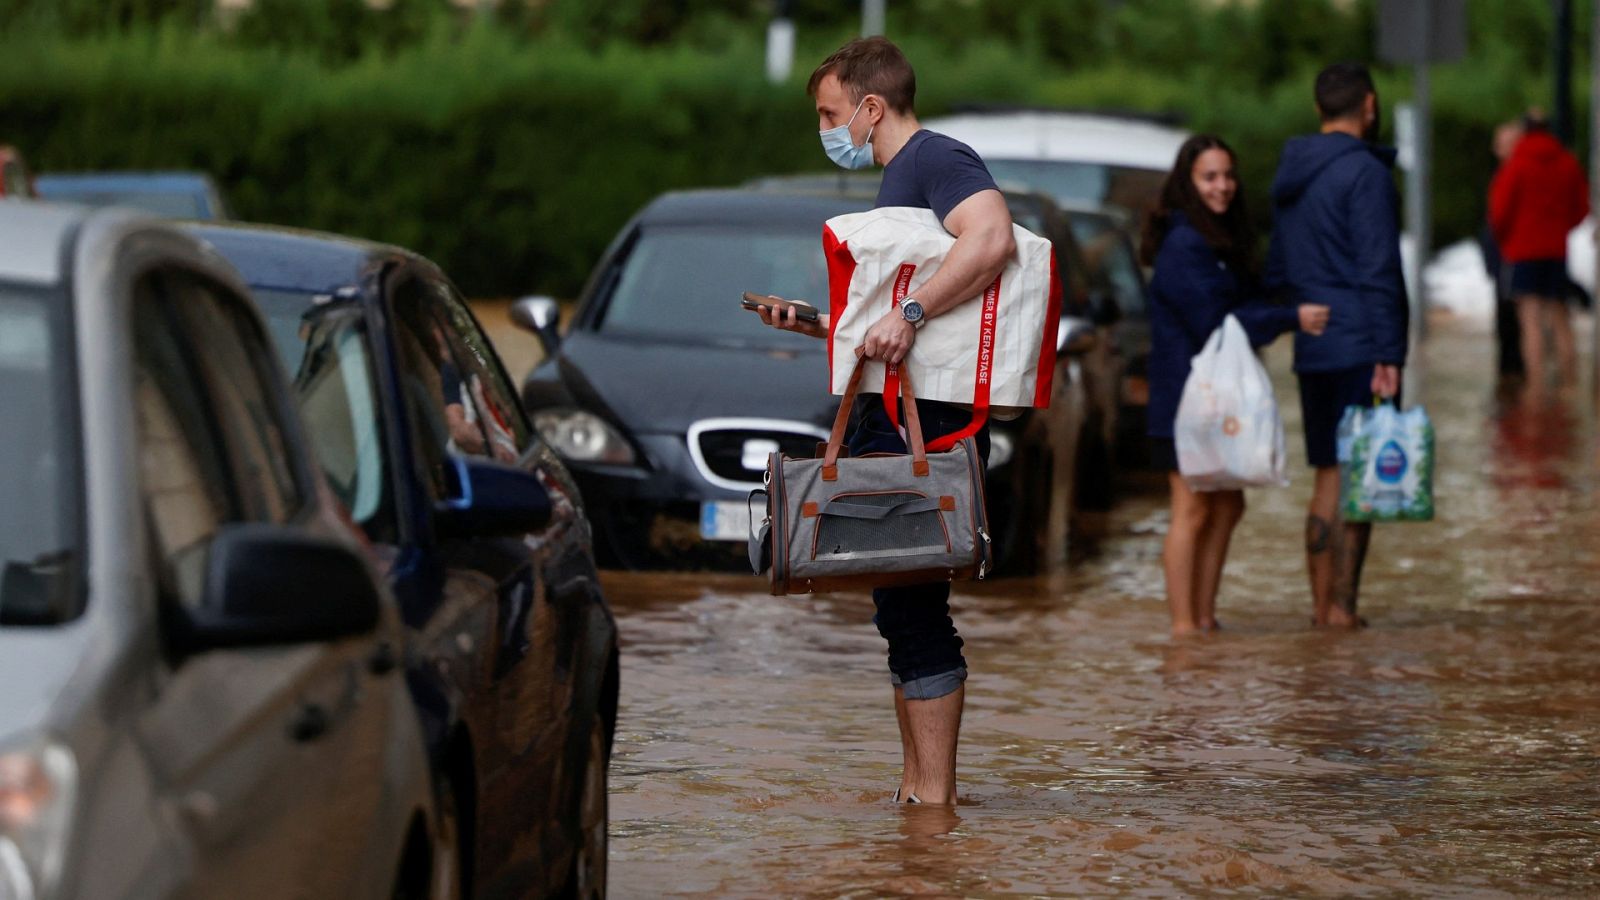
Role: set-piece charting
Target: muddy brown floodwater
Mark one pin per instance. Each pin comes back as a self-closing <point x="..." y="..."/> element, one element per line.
<point x="1450" y="749"/>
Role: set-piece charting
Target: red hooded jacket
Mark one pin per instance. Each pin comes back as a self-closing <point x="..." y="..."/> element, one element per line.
<point x="1538" y="196"/>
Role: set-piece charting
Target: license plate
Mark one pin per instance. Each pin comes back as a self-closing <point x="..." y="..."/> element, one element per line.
<point x="724" y="520"/>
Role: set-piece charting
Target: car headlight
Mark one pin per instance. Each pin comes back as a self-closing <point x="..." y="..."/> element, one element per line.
<point x="582" y="436"/>
<point x="1001" y="448"/>
<point x="38" y="784"/>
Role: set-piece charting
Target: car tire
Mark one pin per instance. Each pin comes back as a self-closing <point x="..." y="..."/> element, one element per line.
<point x="587" y="877"/>
<point x="449" y="875"/>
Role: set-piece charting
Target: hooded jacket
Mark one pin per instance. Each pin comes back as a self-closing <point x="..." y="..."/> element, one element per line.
<point x="1538" y="196"/>
<point x="1336" y="241"/>
<point x="1192" y="290"/>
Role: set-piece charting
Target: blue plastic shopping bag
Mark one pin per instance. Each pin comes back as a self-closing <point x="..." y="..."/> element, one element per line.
<point x="1385" y="464"/>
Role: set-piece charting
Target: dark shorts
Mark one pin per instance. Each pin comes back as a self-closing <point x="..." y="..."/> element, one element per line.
<point x="924" y="649"/>
<point x="1323" y="398"/>
<point x="1540" y="277"/>
<point x="1163" y="454"/>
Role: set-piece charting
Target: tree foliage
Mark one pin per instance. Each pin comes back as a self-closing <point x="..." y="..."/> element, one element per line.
<point x="511" y="144"/>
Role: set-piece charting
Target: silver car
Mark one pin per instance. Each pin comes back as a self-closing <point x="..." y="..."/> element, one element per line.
<point x="204" y="695"/>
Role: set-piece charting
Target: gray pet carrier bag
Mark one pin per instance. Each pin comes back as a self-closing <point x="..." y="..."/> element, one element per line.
<point x="838" y="523"/>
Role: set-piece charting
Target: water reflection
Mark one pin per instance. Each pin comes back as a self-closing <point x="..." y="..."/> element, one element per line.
<point x="1453" y="747"/>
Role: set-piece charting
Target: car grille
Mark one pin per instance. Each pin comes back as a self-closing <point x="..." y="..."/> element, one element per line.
<point x="734" y="454"/>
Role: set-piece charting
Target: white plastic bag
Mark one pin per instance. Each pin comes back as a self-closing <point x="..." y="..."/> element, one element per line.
<point x="1228" y="432"/>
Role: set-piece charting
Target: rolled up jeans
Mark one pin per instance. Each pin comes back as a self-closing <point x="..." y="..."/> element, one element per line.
<point x="924" y="649"/>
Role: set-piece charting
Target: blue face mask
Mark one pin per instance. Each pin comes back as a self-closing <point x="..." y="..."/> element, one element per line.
<point x="837" y="143"/>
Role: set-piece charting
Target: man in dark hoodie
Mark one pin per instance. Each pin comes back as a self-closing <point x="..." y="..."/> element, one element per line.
<point x="1336" y="241"/>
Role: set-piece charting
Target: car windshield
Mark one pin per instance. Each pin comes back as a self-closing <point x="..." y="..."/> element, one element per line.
<point x="1107" y="249"/>
<point x="1077" y="183"/>
<point x="324" y="347"/>
<point x="39" y="495"/>
<point x="685" y="282"/>
<point x="169" y="204"/>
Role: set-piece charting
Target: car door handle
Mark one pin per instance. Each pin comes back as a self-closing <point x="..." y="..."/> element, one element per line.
<point x="310" y="723"/>
<point x="383" y="660"/>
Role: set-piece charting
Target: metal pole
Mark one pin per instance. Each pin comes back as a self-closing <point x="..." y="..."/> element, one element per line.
<point x="1421" y="199"/>
<point x="1594" y="186"/>
<point x="872" y="16"/>
<point x="1561" y="115"/>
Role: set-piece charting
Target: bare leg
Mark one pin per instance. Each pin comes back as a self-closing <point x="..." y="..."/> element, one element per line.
<point x="1227" y="508"/>
<point x="1559" y="319"/>
<point x="910" y="774"/>
<point x="1532" y="342"/>
<point x="1320" y="521"/>
<point x="1349" y="555"/>
<point x="1179" y="552"/>
<point x="935" y="727"/>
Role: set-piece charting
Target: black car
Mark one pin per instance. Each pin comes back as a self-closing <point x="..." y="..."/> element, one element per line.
<point x="665" y="397"/>
<point x="512" y="651"/>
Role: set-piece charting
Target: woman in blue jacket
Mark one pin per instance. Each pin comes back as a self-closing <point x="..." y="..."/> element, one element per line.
<point x="1200" y="242"/>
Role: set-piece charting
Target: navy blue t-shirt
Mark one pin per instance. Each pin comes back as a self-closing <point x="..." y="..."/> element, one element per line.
<point x="930" y="172"/>
<point x="933" y="172"/>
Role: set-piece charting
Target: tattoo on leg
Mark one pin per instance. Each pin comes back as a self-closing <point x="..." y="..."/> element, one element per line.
<point x="1319" y="535"/>
<point x="1351" y="558"/>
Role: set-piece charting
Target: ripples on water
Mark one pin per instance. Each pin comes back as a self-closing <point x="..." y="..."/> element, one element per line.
<point x="1450" y="749"/>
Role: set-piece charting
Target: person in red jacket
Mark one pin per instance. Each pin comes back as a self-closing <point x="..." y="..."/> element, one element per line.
<point x="1536" y="198"/>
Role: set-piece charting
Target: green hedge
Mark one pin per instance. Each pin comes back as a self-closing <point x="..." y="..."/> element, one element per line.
<point x="512" y="161"/>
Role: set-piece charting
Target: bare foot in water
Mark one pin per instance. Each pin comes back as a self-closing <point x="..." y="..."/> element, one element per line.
<point x="1338" y="618"/>
<point x="1210" y="626"/>
<point x="1184" y="629"/>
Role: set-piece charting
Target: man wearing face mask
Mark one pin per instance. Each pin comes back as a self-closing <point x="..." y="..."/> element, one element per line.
<point x="1336" y="241"/>
<point x="864" y="94"/>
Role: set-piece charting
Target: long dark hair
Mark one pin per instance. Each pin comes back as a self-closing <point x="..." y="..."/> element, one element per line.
<point x="1229" y="234"/>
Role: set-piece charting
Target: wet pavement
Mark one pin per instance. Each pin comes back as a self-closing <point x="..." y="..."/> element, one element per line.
<point x="1451" y="749"/>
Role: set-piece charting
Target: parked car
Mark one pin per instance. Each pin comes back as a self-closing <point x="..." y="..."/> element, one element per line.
<point x="1099" y="159"/>
<point x="174" y="195"/>
<point x="202" y="692"/>
<point x="481" y="534"/>
<point x="665" y="397"/>
<point x="14" y="178"/>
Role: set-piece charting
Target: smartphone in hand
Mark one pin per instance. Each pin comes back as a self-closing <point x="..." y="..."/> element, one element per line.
<point x="761" y="303"/>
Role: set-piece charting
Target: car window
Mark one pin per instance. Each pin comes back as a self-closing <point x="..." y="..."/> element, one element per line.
<point x="325" y="344"/>
<point x="1108" y="250"/>
<point x="684" y="282"/>
<point x="433" y="385"/>
<point x="186" y="480"/>
<point x="39" y="495"/>
<point x="1070" y="182"/>
<point x="236" y="370"/>
<point x="487" y="396"/>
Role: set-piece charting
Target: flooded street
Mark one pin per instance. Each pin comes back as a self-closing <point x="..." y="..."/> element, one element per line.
<point x="1451" y="749"/>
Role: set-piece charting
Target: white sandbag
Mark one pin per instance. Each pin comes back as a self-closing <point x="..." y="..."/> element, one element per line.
<point x="1228" y="433"/>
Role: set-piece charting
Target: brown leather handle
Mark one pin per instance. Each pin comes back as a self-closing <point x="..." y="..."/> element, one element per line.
<point x="841" y="421"/>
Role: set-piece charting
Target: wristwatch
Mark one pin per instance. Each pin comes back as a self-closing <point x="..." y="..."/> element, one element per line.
<point x="911" y="310"/>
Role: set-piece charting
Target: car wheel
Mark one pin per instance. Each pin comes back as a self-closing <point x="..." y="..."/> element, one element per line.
<point x="587" y="879"/>
<point x="449" y="874"/>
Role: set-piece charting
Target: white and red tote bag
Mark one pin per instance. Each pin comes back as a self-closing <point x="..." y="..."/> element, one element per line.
<point x="995" y="350"/>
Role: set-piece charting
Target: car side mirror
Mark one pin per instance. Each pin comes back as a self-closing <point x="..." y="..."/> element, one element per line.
<point x="1075" y="336"/>
<point x="491" y="499"/>
<point x="268" y="585"/>
<point x="540" y="315"/>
